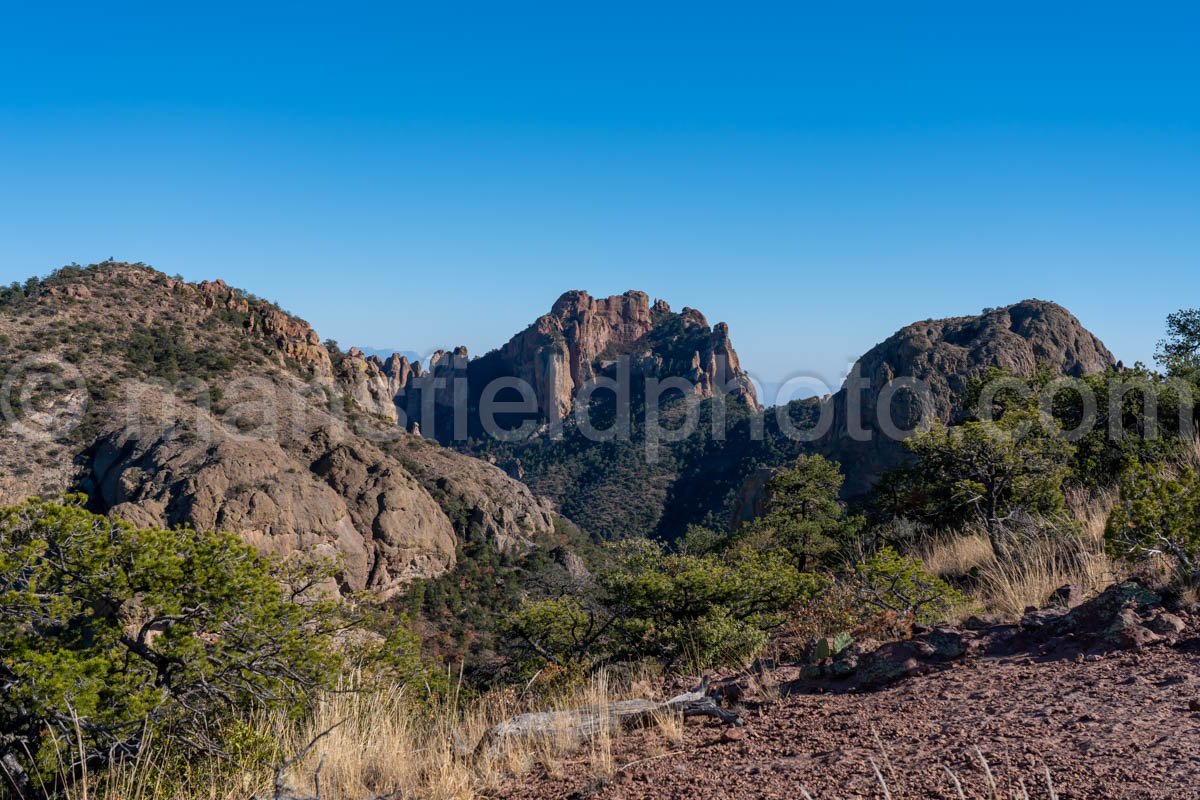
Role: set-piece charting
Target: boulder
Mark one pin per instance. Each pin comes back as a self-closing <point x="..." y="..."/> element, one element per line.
<point x="888" y="663"/>
<point x="1096" y="616"/>
<point x="1126" y="632"/>
<point x="978" y="623"/>
<point x="1067" y="596"/>
<point x="948" y="643"/>
<point x="1166" y="624"/>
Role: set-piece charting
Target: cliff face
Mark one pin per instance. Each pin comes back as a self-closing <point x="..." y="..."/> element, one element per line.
<point x="944" y="356"/>
<point x="583" y="336"/>
<point x="375" y="385"/>
<point x="312" y="487"/>
<point x="562" y="350"/>
<point x="196" y="404"/>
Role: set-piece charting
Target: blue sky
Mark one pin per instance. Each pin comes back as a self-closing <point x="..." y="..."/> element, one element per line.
<point x="416" y="175"/>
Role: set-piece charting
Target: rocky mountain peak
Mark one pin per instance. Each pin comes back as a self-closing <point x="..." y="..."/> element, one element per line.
<point x="945" y="355"/>
<point x="563" y="350"/>
<point x="579" y="339"/>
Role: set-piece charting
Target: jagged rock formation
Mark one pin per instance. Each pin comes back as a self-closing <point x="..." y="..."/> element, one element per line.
<point x="259" y="432"/>
<point x="944" y="356"/>
<point x="580" y="339"/>
<point x="583" y="337"/>
<point x="374" y="384"/>
<point x="294" y="337"/>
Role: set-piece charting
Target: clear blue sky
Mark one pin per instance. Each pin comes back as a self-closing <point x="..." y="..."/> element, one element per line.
<point x="431" y="174"/>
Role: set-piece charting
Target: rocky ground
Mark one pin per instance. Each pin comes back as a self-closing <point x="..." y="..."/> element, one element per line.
<point x="1105" y="699"/>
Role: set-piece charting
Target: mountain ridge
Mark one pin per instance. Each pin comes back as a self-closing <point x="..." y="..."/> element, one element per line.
<point x="129" y="321"/>
<point x="163" y="389"/>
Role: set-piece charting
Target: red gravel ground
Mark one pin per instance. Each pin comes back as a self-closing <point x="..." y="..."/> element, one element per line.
<point x="1122" y="725"/>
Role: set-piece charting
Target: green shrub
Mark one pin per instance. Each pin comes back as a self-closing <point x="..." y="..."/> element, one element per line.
<point x="109" y="633"/>
<point x="804" y="517"/>
<point x="1179" y="352"/>
<point x="981" y="472"/>
<point x="1158" y="515"/>
<point x="165" y="353"/>
<point x="888" y="583"/>
<point x="697" y="610"/>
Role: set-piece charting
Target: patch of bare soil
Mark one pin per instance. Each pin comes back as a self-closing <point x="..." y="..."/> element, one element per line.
<point x="1102" y="724"/>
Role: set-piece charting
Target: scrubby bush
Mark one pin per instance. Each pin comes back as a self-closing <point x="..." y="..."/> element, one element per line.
<point x="678" y="608"/>
<point x="1179" y="352"/>
<point x="11" y="294"/>
<point x="1159" y="515"/>
<point x="894" y="585"/>
<point x="983" y="473"/>
<point x="1111" y="418"/>
<point x="110" y="634"/>
<point x="165" y="353"/>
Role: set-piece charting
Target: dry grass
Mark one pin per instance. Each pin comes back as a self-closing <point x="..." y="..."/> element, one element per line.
<point x="1039" y="561"/>
<point x="1091" y="511"/>
<point x="954" y="556"/>
<point x="1026" y="575"/>
<point x="388" y="744"/>
<point x="361" y="743"/>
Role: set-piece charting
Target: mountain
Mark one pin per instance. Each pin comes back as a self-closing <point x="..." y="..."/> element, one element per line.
<point x="611" y="488"/>
<point x="171" y="403"/>
<point x="341" y="469"/>
<point x="581" y="339"/>
<point x="606" y="485"/>
<point x="944" y="356"/>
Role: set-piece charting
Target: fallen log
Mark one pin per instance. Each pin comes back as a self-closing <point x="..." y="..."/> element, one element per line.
<point x="575" y="726"/>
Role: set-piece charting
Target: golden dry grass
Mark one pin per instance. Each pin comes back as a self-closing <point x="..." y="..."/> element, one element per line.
<point x="389" y="744"/>
<point x="361" y="743"/>
<point x="954" y="556"/>
<point x="1027" y="575"/>
<point x="1028" y="571"/>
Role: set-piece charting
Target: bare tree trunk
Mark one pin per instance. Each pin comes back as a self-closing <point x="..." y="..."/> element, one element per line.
<point x="17" y="778"/>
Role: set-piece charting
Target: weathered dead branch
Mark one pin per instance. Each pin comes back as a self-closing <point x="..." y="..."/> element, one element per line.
<point x="574" y="726"/>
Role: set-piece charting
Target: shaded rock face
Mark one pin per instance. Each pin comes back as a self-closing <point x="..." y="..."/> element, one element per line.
<point x="945" y="355"/>
<point x="751" y="500"/>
